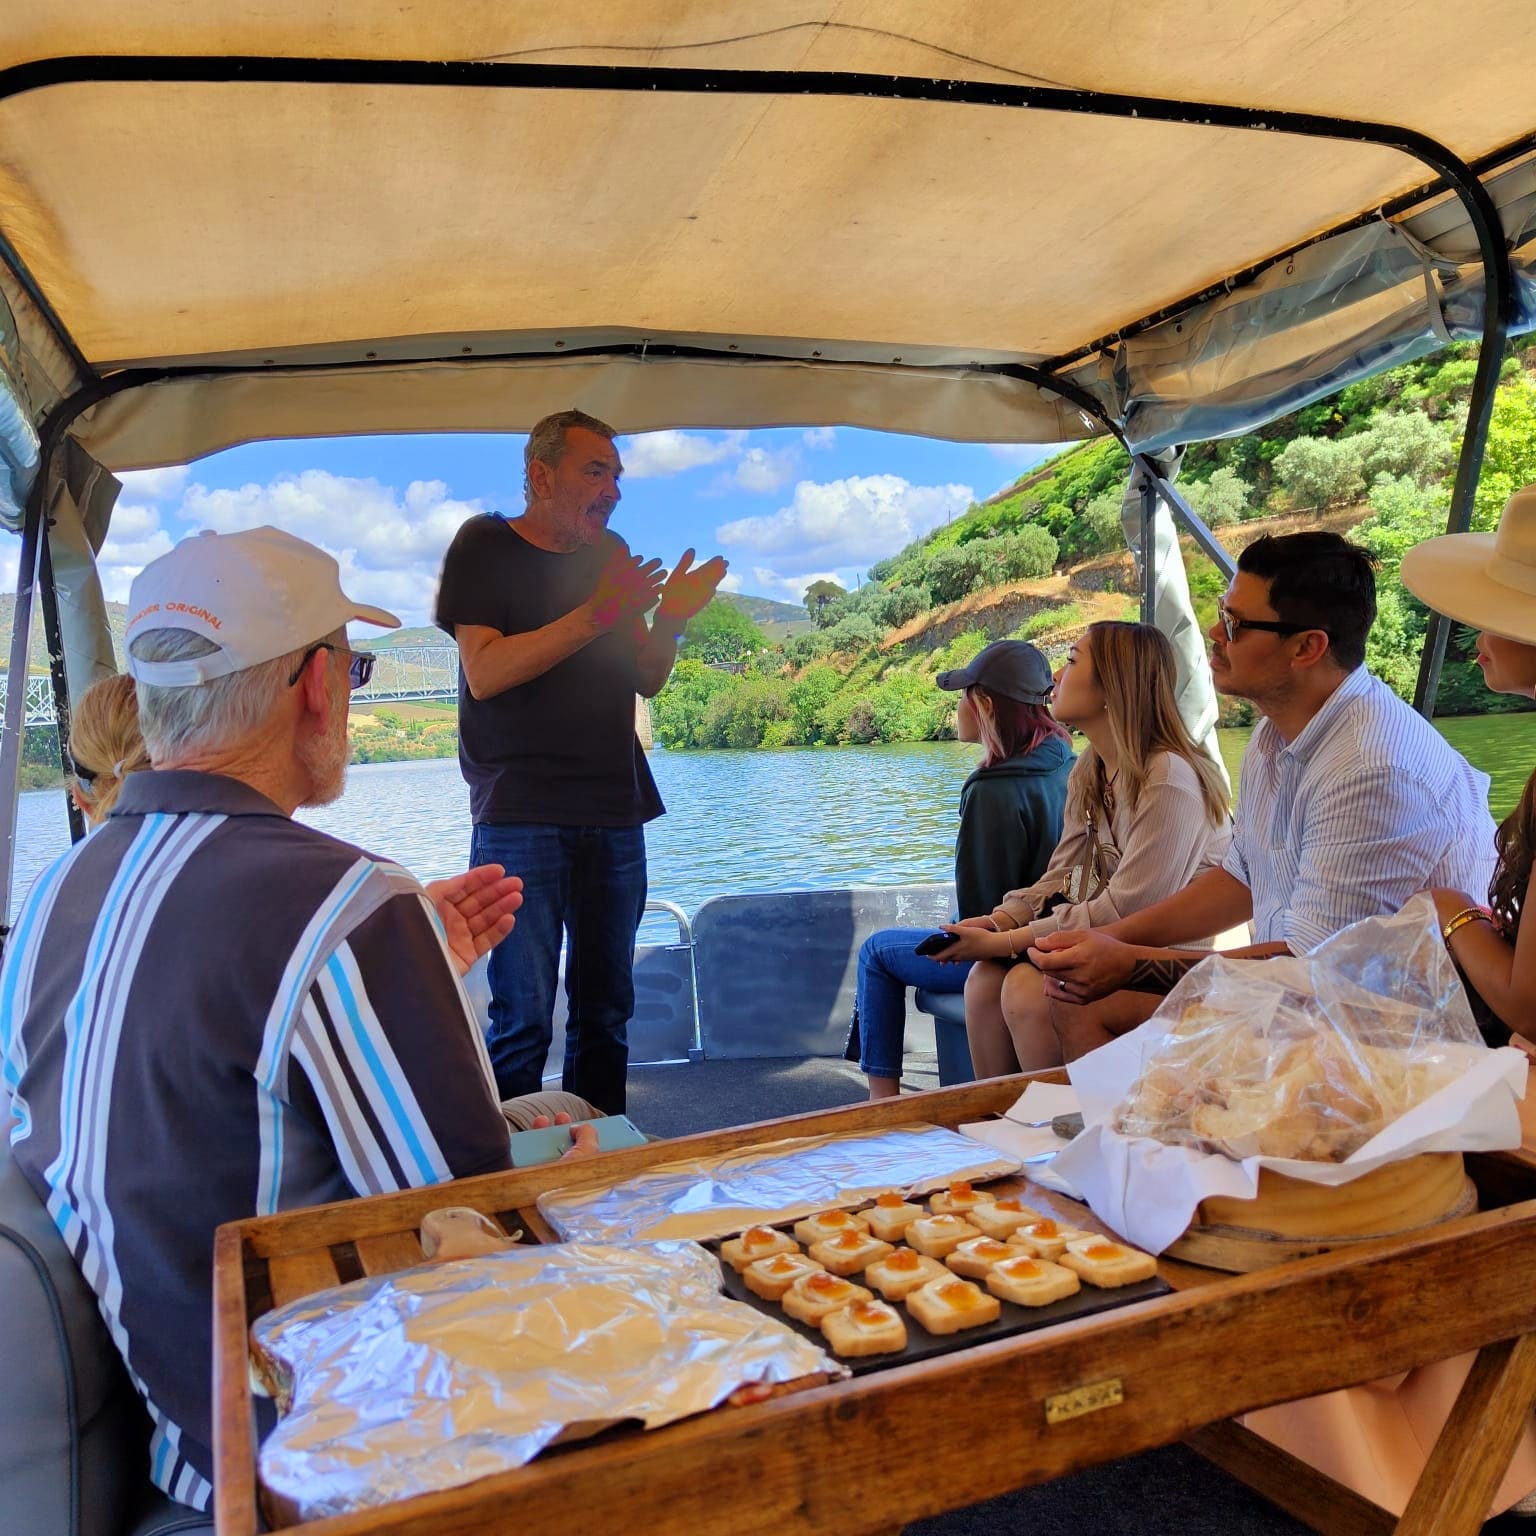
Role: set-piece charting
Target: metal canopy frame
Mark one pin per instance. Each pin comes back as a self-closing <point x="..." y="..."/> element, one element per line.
<point x="1451" y="172"/>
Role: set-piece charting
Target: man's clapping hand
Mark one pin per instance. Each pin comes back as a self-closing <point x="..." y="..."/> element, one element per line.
<point x="627" y="586"/>
<point x="476" y="910"/>
<point x="689" y="588"/>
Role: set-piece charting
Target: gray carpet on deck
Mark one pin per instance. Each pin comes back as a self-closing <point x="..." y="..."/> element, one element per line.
<point x="1169" y="1491"/>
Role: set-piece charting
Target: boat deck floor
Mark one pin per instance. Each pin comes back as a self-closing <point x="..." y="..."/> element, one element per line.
<point x="1169" y="1491"/>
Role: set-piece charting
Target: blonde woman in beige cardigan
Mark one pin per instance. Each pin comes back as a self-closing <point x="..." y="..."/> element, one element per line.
<point x="1147" y="810"/>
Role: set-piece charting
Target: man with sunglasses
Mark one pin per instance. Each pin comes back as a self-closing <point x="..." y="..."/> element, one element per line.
<point x="210" y="1011"/>
<point x="1348" y="801"/>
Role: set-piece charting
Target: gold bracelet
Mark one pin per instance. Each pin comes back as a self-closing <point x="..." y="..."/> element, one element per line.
<point x="1012" y="953"/>
<point x="1462" y="918"/>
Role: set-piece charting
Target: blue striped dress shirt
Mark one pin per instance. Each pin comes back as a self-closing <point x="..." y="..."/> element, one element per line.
<point x="1367" y="806"/>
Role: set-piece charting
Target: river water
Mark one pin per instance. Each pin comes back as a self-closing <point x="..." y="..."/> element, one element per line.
<point x="741" y="821"/>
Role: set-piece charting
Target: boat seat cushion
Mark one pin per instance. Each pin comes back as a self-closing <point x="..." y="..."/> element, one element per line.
<point x="72" y="1431"/>
<point x="949" y="1038"/>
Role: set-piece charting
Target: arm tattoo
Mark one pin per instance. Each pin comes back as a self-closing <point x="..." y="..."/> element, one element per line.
<point x="1161" y="976"/>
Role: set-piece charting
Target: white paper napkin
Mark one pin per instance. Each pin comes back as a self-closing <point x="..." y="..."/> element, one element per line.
<point x="1148" y="1192"/>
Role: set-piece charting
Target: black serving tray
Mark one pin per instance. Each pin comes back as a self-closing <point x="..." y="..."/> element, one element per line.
<point x="922" y="1345"/>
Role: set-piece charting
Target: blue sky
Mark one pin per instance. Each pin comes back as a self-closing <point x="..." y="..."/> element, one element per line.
<point x="785" y="507"/>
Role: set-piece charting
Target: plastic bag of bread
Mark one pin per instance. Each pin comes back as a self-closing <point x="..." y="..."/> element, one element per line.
<point x="1306" y="1057"/>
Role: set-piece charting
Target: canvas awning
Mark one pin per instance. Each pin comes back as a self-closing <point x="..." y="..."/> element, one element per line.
<point x="370" y="256"/>
<point x="222" y="222"/>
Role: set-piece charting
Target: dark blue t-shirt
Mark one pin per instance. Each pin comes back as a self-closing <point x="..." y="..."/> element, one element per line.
<point x="561" y="748"/>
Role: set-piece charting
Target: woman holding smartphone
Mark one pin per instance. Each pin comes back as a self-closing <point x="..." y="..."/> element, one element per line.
<point x="1010" y="819"/>
<point x="1147" y="810"/>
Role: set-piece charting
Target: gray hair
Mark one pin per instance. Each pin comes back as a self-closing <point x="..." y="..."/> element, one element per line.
<point x="546" y="442"/>
<point x="208" y="716"/>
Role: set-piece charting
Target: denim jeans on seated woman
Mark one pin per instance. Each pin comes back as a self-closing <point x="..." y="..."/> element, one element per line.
<point x="588" y="883"/>
<point x="888" y="965"/>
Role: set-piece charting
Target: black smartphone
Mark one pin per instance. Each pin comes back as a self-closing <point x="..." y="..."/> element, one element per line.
<point x="934" y="943"/>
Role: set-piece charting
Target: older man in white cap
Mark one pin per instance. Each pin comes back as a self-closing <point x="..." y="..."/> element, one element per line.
<point x="210" y="1011"/>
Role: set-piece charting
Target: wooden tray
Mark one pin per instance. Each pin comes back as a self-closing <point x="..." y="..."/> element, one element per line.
<point x="1292" y="1219"/>
<point x="1050" y="1402"/>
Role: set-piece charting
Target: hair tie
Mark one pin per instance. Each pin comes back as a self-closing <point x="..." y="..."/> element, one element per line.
<point x="117" y="768"/>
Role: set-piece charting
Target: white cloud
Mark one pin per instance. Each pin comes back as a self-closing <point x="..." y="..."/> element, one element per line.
<point x="730" y="582"/>
<point x="389" y="545"/>
<point x="845" y="522"/>
<point x="819" y="437"/>
<point x="651" y="455"/>
<point x="156" y="484"/>
<point x="766" y="582"/>
<point x="759" y="471"/>
<point x="832" y="531"/>
<point x="133" y="540"/>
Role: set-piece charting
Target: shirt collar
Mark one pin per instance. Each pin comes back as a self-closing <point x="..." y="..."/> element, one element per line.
<point x="1321" y="725"/>
<point x="174" y="791"/>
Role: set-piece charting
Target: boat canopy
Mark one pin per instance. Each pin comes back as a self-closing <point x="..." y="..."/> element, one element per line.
<point x="675" y="219"/>
<point x="223" y="222"/>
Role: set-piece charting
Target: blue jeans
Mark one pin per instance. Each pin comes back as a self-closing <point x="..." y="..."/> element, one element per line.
<point x="887" y="967"/>
<point x="588" y="883"/>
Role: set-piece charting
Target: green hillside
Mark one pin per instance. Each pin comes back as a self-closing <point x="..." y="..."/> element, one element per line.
<point x="1045" y="557"/>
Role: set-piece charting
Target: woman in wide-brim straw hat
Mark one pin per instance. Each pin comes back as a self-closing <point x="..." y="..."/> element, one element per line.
<point x="1374" y="1438"/>
<point x="1488" y="580"/>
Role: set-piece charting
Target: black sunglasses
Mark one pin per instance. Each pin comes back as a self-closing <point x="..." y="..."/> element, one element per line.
<point x="359" y="668"/>
<point x="1234" y="626"/>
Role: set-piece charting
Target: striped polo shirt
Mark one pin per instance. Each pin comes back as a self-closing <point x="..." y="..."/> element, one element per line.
<point x="209" y="1011"/>
<point x="1367" y="806"/>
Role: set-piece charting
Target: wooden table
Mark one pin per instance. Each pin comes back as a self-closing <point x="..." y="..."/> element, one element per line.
<point x="868" y="1455"/>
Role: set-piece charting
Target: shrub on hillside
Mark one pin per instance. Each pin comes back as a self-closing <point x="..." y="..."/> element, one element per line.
<point x="677" y="712"/>
<point x="809" y="695"/>
<point x="1048" y="621"/>
<point x="740" y="715"/>
<point x="806" y="648"/>
<point x="1405" y="443"/>
<point x="1317" y="471"/>
<point x="906" y="707"/>
<point x="720" y="631"/>
<point x="1021" y="556"/>
<point x="1100" y="529"/>
<point x="854" y="633"/>
<point x="901" y="605"/>
<point x="1223" y="499"/>
<point x="953" y="570"/>
<point x="960" y="651"/>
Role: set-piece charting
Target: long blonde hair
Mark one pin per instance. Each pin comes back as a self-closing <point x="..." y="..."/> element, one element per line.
<point x="104" y="742"/>
<point x="1135" y="668"/>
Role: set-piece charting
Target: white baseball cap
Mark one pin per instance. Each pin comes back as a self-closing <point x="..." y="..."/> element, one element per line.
<point x="257" y="595"/>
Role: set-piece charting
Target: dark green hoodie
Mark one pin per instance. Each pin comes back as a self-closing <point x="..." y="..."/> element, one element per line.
<point x="1010" y="823"/>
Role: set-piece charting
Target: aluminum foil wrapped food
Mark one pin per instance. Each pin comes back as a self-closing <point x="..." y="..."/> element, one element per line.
<point x="435" y="1376"/>
<point x="779" y="1181"/>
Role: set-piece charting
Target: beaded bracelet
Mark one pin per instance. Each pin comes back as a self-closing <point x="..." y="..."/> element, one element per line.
<point x="1462" y="918"/>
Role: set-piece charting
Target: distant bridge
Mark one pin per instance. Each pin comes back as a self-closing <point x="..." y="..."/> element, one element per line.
<point x="401" y="672"/>
<point x="39" y="699"/>
<point x="404" y="672"/>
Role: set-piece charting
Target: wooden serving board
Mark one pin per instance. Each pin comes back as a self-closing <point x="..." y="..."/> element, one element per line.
<point x="1292" y="1219"/>
<point x="1053" y="1400"/>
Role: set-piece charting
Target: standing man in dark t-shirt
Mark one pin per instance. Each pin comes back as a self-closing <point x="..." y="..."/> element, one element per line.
<point x="547" y="610"/>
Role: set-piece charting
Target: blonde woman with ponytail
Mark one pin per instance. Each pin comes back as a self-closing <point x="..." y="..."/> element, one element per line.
<point x="1147" y="810"/>
<point x="104" y="745"/>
